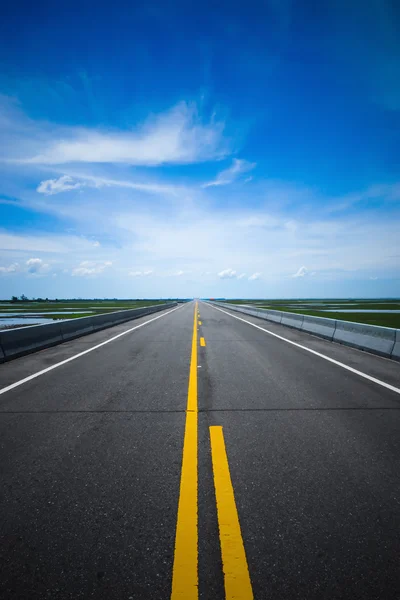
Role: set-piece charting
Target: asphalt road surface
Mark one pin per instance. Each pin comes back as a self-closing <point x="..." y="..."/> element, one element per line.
<point x="199" y="456"/>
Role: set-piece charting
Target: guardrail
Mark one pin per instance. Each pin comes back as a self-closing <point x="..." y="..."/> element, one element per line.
<point x="384" y="341"/>
<point x="24" y="340"/>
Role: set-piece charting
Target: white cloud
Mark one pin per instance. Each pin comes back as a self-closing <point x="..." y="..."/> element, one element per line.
<point x="241" y="276"/>
<point x="55" y="186"/>
<point x="140" y="273"/>
<point x="227" y="274"/>
<point x="229" y="175"/>
<point x="36" y="266"/>
<point x="13" y="268"/>
<point x="302" y="272"/>
<point x="254" y="276"/>
<point x="96" y="244"/>
<point x="87" y="268"/>
<point x="179" y="136"/>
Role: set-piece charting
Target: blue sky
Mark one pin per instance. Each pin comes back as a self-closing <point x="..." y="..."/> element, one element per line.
<point x="223" y="149"/>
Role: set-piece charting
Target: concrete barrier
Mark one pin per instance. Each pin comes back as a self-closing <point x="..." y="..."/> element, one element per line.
<point x="73" y="328"/>
<point x="319" y="326"/>
<point x="273" y="315"/>
<point x="17" y="342"/>
<point x="24" y="340"/>
<point x="252" y="312"/>
<point x="105" y="320"/>
<point x="292" y="320"/>
<point x="384" y="341"/>
<point x="396" y="347"/>
<point x="379" y="340"/>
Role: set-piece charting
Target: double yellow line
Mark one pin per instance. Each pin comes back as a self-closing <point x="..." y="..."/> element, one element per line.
<point x="185" y="569"/>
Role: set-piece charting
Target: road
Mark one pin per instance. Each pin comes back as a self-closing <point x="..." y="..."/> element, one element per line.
<point x="111" y="488"/>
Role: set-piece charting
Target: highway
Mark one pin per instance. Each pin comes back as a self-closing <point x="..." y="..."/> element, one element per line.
<point x="193" y="454"/>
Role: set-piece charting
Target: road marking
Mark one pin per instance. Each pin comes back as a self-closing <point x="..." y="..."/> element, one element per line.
<point x="64" y="362"/>
<point x="185" y="568"/>
<point x="331" y="360"/>
<point x="202" y="341"/>
<point x="200" y="323"/>
<point x="234" y="562"/>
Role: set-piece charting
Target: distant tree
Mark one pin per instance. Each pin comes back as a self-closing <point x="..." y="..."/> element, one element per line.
<point x="14" y="299"/>
<point x="23" y="298"/>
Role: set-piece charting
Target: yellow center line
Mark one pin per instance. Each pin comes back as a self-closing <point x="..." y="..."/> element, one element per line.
<point x="185" y="568"/>
<point x="234" y="562"/>
<point x="202" y="341"/>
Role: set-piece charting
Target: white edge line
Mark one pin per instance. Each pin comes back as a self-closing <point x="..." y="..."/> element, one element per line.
<point x="331" y="360"/>
<point x="67" y="360"/>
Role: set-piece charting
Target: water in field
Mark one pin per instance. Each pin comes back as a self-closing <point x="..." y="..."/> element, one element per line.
<point x="39" y="313"/>
<point x="359" y="310"/>
<point x="17" y="317"/>
<point x="6" y="323"/>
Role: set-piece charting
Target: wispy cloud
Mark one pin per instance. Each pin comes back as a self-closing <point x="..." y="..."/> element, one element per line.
<point x="230" y="175"/>
<point x="140" y="273"/>
<point x="89" y="268"/>
<point x="179" y="136"/>
<point x="237" y="242"/>
<point x="67" y="183"/>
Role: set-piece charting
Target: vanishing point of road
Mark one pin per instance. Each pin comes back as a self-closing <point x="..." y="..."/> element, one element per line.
<point x="199" y="454"/>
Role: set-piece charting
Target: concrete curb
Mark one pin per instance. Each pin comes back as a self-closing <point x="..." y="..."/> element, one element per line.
<point x="25" y="340"/>
<point x="383" y="341"/>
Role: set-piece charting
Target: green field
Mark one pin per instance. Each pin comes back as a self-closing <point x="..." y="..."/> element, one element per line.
<point x="356" y="310"/>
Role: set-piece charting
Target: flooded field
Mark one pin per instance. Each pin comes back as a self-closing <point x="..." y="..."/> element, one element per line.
<point x="379" y="311"/>
<point x="22" y="314"/>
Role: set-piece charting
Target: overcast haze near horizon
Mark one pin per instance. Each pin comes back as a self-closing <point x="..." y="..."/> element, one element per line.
<point x="231" y="150"/>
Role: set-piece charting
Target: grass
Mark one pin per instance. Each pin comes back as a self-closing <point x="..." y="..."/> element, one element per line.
<point x="326" y="308"/>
